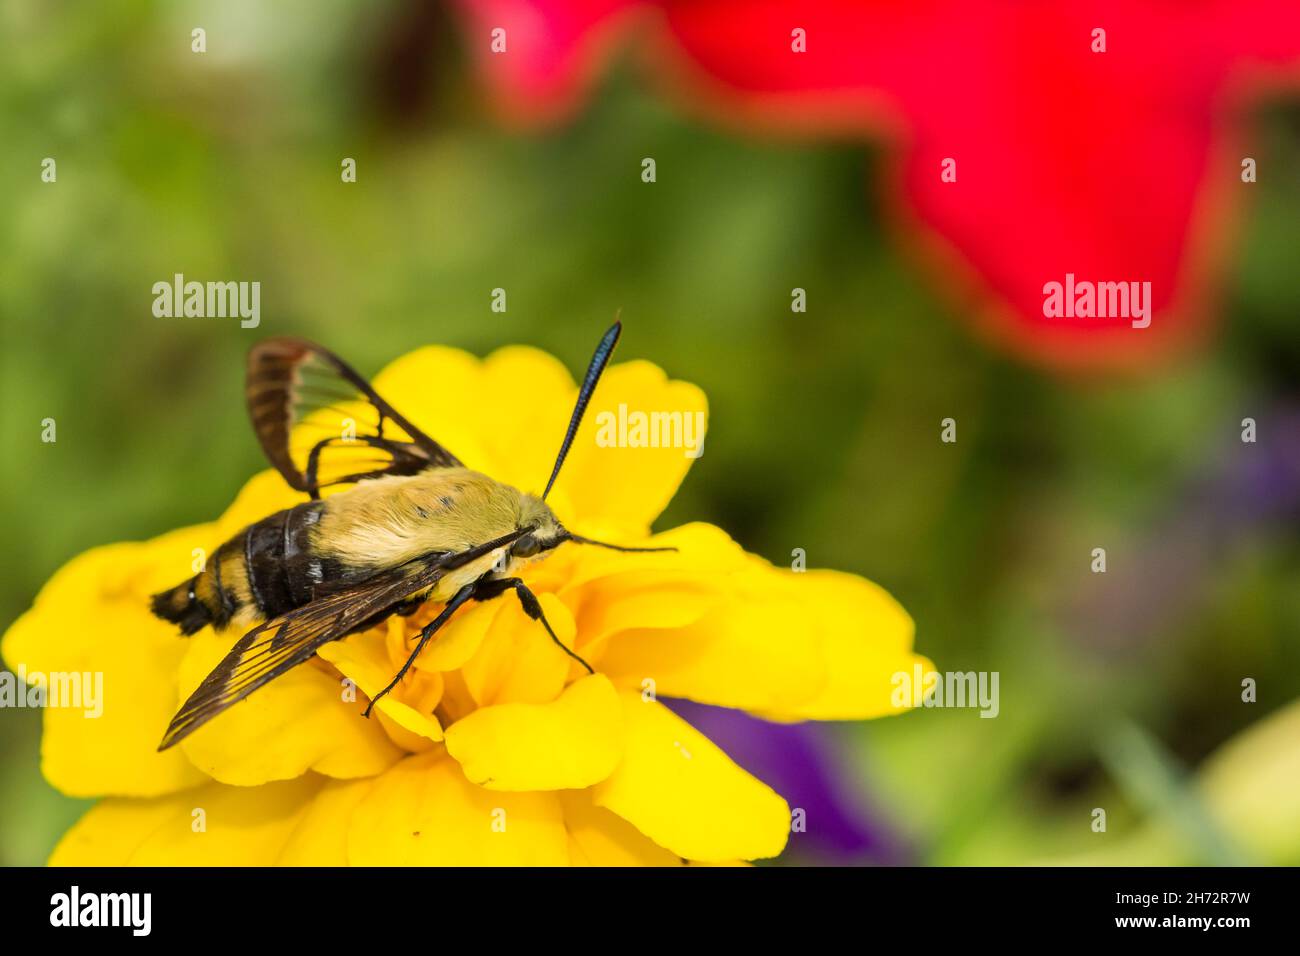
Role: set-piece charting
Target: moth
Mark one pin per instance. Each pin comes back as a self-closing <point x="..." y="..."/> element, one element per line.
<point x="414" y="526"/>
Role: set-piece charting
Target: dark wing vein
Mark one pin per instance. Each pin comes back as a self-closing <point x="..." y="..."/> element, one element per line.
<point x="276" y="646"/>
<point x="293" y="385"/>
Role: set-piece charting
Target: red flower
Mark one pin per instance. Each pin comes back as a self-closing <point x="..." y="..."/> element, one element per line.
<point x="1114" y="165"/>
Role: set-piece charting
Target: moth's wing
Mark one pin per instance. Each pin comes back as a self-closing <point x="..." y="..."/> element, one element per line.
<point x="320" y="423"/>
<point x="284" y="642"/>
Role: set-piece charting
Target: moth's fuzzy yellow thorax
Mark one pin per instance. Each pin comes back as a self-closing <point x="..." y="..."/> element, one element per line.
<point x="387" y="521"/>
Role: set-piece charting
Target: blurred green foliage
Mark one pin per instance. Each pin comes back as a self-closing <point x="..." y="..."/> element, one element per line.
<point x="824" y="425"/>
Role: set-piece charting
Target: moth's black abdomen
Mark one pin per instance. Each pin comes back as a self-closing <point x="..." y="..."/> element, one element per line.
<point x="270" y="565"/>
<point x="181" y="606"/>
<point x="281" y="565"/>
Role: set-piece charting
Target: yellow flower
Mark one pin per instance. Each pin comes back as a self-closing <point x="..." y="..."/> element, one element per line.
<point x="497" y="749"/>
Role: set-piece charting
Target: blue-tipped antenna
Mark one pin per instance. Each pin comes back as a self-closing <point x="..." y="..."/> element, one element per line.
<point x="598" y="362"/>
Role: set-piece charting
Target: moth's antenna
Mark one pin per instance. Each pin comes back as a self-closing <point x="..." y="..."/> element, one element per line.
<point x="579" y="539"/>
<point x="598" y="363"/>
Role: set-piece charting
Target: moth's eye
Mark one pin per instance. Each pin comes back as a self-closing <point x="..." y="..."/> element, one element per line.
<point x="526" y="547"/>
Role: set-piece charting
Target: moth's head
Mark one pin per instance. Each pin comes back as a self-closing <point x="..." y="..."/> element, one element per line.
<point x="546" y="531"/>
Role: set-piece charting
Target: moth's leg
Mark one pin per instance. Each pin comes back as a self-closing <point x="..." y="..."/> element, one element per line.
<point x="459" y="598"/>
<point x="313" y="463"/>
<point x="488" y="588"/>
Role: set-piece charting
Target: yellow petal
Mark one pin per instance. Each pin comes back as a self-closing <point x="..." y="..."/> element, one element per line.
<point x="643" y="600"/>
<point x="92" y="619"/>
<point x="300" y="721"/>
<point x="518" y="662"/>
<point x="574" y="741"/>
<point x="213" y="825"/>
<point x="601" y="585"/>
<point x="819" y="645"/>
<point x="423" y="812"/>
<point x="320" y="836"/>
<point x="459" y="639"/>
<point x="364" y="659"/>
<point x="419" y="385"/>
<point x="614" y="484"/>
<point x="263" y="494"/>
<point x="755" y="650"/>
<point x="613" y="591"/>
<point x="719" y="863"/>
<point x="680" y="790"/>
<point x="523" y="402"/>
<point x="598" y="837"/>
<point x="866" y="640"/>
<point x="703" y="550"/>
<point x="457" y="701"/>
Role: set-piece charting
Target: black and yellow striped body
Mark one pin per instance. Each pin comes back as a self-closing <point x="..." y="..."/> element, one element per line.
<point x="267" y="569"/>
<point x="289" y="558"/>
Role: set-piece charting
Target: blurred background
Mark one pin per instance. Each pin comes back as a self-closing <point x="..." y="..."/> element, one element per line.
<point x="1120" y="691"/>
